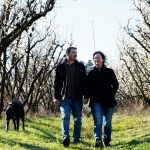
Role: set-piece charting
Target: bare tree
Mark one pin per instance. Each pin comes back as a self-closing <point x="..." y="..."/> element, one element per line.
<point x="135" y="59"/>
<point x="16" y="18"/>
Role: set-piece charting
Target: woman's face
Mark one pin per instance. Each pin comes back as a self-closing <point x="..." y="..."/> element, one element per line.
<point x="98" y="60"/>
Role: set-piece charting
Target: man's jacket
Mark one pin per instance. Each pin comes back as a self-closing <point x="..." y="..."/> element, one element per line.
<point x="60" y="82"/>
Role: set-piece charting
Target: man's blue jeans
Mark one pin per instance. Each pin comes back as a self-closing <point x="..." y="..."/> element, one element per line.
<point x="102" y="114"/>
<point x="67" y="106"/>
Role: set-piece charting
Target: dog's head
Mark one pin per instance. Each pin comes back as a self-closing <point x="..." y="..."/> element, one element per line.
<point x="9" y="112"/>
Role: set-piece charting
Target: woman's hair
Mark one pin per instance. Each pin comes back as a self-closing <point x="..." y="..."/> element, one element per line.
<point x="100" y="53"/>
<point x="68" y="50"/>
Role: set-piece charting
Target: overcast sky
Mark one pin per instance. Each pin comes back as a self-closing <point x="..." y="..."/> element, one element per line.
<point x="75" y="17"/>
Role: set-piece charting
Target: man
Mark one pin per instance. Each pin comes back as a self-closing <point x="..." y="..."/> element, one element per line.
<point x="70" y="87"/>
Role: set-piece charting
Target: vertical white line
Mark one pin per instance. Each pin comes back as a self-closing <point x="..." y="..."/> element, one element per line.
<point x="93" y="35"/>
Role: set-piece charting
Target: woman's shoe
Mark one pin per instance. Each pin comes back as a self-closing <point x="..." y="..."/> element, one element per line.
<point x="99" y="144"/>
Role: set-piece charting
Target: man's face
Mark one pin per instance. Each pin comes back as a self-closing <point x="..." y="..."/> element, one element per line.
<point x="72" y="55"/>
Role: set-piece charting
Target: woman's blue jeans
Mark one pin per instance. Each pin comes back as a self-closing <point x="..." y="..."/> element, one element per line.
<point x="102" y="114"/>
<point x="67" y="106"/>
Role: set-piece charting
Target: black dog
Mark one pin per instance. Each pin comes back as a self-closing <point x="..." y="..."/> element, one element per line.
<point x="14" y="111"/>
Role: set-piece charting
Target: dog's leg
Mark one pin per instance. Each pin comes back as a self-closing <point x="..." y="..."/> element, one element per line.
<point x="14" y="124"/>
<point x="23" y="124"/>
<point x="22" y="117"/>
<point x="7" y="125"/>
<point x="17" y="124"/>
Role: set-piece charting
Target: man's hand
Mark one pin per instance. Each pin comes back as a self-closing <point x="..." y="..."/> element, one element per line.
<point x="85" y="101"/>
<point x="56" y="101"/>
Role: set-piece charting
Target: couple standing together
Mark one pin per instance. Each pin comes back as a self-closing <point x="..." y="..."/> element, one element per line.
<point x="73" y="87"/>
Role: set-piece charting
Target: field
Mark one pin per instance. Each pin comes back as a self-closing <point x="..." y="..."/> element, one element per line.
<point x="44" y="133"/>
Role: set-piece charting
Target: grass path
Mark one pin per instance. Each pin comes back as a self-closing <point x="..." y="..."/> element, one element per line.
<point x="44" y="133"/>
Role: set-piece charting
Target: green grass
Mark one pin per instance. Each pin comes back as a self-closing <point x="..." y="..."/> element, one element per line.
<point x="44" y="133"/>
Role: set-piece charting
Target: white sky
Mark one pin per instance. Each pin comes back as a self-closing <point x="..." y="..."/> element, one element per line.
<point x="75" y="17"/>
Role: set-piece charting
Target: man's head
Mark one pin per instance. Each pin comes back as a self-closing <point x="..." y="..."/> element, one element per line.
<point x="71" y="53"/>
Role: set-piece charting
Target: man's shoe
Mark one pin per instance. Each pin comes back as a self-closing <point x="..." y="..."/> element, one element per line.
<point x="99" y="144"/>
<point x="66" y="142"/>
<point x="107" y="144"/>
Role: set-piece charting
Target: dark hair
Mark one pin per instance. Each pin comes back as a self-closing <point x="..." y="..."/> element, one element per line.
<point x="100" y="53"/>
<point x="68" y="50"/>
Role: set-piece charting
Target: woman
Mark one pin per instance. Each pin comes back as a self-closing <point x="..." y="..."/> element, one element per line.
<point x="103" y="86"/>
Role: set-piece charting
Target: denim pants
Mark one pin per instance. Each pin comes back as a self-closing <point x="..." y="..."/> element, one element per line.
<point x="102" y="115"/>
<point x="67" y="106"/>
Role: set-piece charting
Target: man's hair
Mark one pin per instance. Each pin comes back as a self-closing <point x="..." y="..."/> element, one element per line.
<point x="100" y="53"/>
<point x="68" y="50"/>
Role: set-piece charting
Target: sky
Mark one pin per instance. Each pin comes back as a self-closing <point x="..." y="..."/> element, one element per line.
<point x="93" y="25"/>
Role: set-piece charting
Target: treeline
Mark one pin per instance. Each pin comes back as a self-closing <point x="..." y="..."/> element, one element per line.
<point x="29" y="53"/>
<point x="134" y="69"/>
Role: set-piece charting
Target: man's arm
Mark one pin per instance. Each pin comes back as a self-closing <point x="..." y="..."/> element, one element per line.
<point x="57" y="86"/>
<point x="86" y="99"/>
